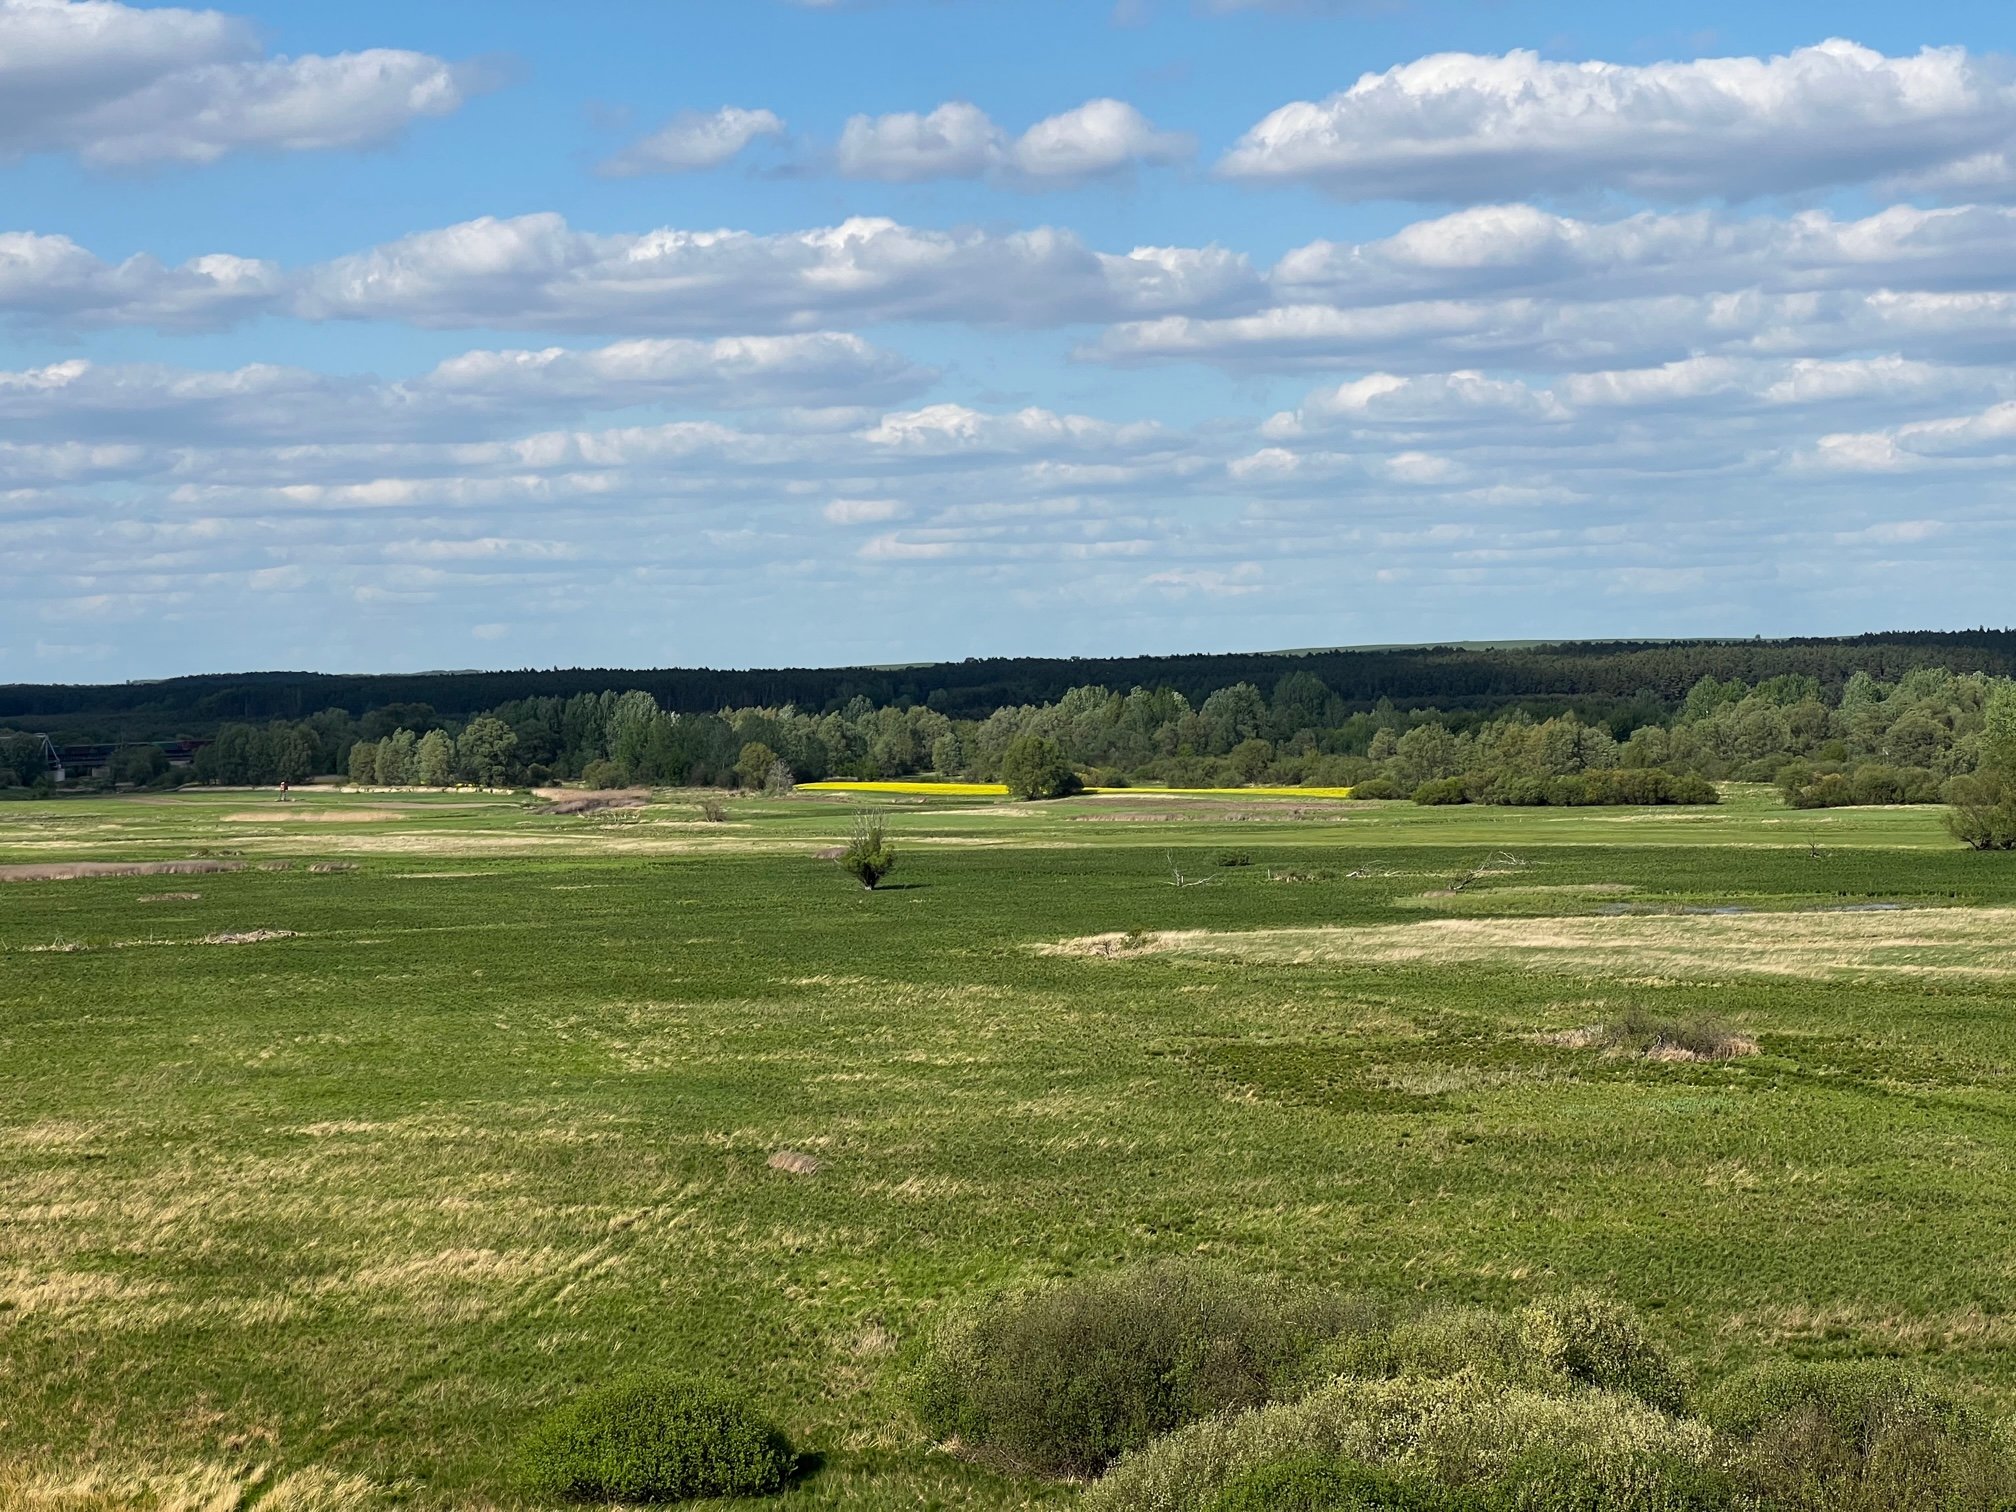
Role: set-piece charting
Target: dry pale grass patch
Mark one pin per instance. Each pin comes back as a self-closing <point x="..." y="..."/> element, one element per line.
<point x="1566" y="892"/>
<point x="1650" y="1037"/>
<point x="62" y="1293"/>
<point x="53" y="1134"/>
<point x="74" y="871"/>
<point x="200" y="1487"/>
<point x="1874" y="1329"/>
<point x="1976" y="943"/>
<point x="316" y="816"/>
<point x="592" y="803"/>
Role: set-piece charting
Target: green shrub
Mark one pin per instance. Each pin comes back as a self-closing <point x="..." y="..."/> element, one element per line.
<point x="1493" y="1447"/>
<point x="602" y="774"/>
<point x="1381" y="789"/>
<point x="655" y="1441"/>
<point x="1594" y="1341"/>
<point x="1314" y="1484"/>
<point x="1857" y="1436"/>
<point x="1035" y="768"/>
<point x="1062" y="1380"/>
<point x="1233" y="858"/>
<point x="1983" y="813"/>
<point x="1440" y="793"/>
<point x="1853" y="1396"/>
<point x="1455" y="1341"/>
<point x="868" y="856"/>
<point x="1604" y="787"/>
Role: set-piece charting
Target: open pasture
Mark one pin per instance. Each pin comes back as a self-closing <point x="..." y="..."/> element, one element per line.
<point x="328" y="1167"/>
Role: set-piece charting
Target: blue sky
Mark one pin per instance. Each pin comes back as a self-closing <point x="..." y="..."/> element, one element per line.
<point x="501" y="333"/>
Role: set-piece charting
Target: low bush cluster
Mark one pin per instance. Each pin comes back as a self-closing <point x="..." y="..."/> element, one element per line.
<point x="1870" y="784"/>
<point x="1062" y="1380"/>
<point x="1311" y="1483"/>
<point x="1983" y="816"/>
<point x="1184" y="1389"/>
<point x="1602" y="788"/>
<point x="1699" y="1037"/>
<point x="655" y="1441"/>
<point x="1856" y="1436"/>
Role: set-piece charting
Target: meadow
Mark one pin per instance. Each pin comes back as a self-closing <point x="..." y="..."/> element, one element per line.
<point x="331" y="1163"/>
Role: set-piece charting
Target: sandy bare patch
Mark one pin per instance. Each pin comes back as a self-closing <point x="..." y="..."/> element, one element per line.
<point x="1977" y="943"/>
<point x="171" y="897"/>
<point x="248" y="936"/>
<point x="73" y="871"/>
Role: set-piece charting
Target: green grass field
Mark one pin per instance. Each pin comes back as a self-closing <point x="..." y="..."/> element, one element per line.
<point x="484" y="1115"/>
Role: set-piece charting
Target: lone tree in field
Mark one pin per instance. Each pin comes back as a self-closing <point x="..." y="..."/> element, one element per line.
<point x="1035" y="768"/>
<point x="868" y="857"/>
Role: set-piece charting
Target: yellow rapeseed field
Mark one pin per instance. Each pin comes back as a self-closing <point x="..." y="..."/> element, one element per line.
<point x="928" y="789"/>
<point x="1000" y="790"/>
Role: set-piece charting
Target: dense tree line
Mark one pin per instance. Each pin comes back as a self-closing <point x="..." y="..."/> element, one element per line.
<point x="1859" y="739"/>
<point x="1597" y="681"/>
<point x="1908" y="741"/>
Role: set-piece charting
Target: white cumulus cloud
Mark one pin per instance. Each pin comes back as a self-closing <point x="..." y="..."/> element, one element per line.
<point x="959" y="140"/>
<point x="475" y="394"/>
<point x="536" y="271"/>
<point x="1461" y="126"/>
<point x="123" y="86"/>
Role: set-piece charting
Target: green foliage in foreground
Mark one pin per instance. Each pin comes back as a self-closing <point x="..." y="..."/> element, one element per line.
<point x="1535" y="1422"/>
<point x="1062" y="1380"/>
<point x="1314" y="1484"/>
<point x="655" y="1441"/>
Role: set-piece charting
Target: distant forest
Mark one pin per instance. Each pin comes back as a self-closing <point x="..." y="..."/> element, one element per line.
<point x="1919" y="718"/>
<point x="1601" y="680"/>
